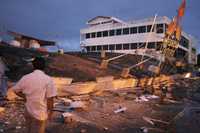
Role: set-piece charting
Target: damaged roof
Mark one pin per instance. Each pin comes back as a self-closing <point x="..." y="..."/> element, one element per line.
<point x="23" y="36"/>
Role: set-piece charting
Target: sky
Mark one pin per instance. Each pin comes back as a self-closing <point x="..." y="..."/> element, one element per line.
<point x="61" y="20"/>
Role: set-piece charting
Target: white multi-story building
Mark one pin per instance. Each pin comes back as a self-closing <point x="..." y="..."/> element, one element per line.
<point x="113" y="35"/>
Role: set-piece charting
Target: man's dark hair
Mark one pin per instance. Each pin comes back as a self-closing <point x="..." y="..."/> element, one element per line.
<point x="39" y="63"/>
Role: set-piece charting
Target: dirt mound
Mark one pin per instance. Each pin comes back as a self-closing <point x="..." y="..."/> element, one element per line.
<point x="77" y="68"/>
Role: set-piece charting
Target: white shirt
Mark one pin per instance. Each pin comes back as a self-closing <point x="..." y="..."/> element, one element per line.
<point x="37" y="87"/>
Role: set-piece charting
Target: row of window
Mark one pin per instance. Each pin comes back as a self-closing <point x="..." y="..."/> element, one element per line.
<point x="184" y="42"/>
<point x="126" y="46"/>
<point x="159" y="28"/>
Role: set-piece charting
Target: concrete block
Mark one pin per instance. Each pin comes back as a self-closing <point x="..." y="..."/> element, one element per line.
<point x="61" y="83"/>
<point x="79" y="88"/>
<point x="124" y="83"/>
<point x="104" y="86"/>
<point x="104" y="79"/>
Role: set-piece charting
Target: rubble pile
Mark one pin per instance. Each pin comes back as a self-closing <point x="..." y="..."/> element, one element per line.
<point x="118" y="111"/>
<point x="12" y="119"/>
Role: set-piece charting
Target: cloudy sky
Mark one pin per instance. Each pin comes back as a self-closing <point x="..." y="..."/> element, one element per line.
<point x="61" y="20"/>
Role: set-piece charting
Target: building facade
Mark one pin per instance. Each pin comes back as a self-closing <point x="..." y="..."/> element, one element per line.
<point x="114" y="35"/>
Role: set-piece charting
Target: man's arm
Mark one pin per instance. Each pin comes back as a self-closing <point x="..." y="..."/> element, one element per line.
<point x="50" y="103"/>
<point x="51" y="94"/>
<point x="16" y="90"/>
<point x="20" y="94"/>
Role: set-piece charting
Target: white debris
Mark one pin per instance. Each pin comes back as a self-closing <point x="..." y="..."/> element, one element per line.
<point x="18" y="127"/>
<point x="152" y="96"/>
<point x="66" y="100"/>
<point x="144" y="129"/>
<point x="187" y="75"/>
<point x="145" y="98"/>
<point x="121" y="109"/>
<point x="147" y="119"/>
<point x="67" y="114"/>
<point x="77" y="104"/>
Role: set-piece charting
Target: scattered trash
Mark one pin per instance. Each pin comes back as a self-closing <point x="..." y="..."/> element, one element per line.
<point x="83" y="131"/>
<point x="149" y="120"/>
<point x="145" y="98"/>
<point x="144" y="129"/>
<point x="141" y="99"/>
<point x="156" y="120"/>
<point x="152" y="96"/>
<point x="77" y="104"/>
<point x="187" y="75"/>
<point x="18" y="127"/>
<point x="66" y="101"/>
<point x="121" y="109"/>
<point x="171" y="101"/>
<point x="7" y="122"/>
<point x="66" y="114"/>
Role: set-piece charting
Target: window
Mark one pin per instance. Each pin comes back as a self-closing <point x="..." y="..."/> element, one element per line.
<point x="133" y="45"/>
<point x="126" y="46"/>
<point x="111" y="32"/>
<point x="93" y="35"/>
<point x="159" y="28"/>
<point x="184" y="42"/>
<point x="87" y="35"/>
<point x="93" y="48"/>
<point x="99" y="48"/>
<point x="105" y="47"/>
<point x="119" y="47"/>
<point x="151" y="45"/>
<point x="99" y="34"/>
<point x="180" y="53"/>
<point x="112" y="47"/>
<point x="142" y="29"/>
<point x="118" y="31"/>
<point x="141" y="45"/>
<point x="125" y="31"/>
<point x="105" y="33"/>
<point x="88" y="48"/>
<point x="149" y="28"/>
<point x="133" y="30"/>
<point x="194" y="50"/>
<point x="158" y="46"/>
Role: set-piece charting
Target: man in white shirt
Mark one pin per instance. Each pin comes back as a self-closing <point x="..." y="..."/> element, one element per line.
<point x="38" y="89"/>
